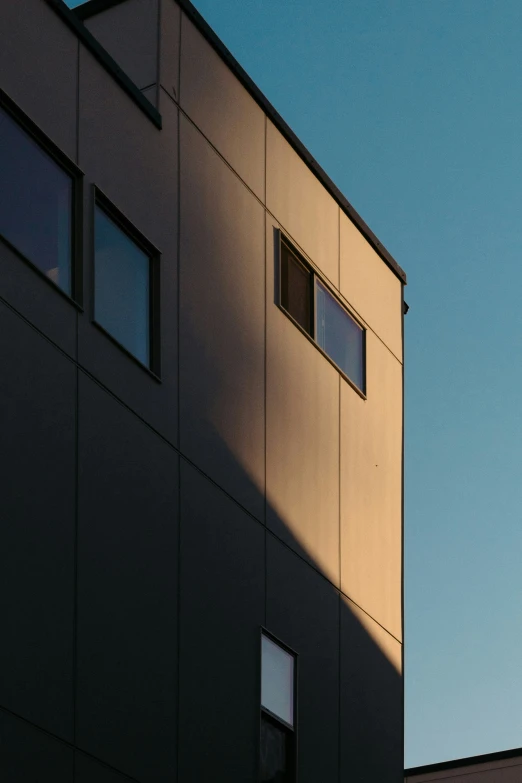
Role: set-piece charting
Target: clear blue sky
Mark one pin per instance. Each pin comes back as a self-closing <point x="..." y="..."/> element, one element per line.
<point x="414" y="108"/>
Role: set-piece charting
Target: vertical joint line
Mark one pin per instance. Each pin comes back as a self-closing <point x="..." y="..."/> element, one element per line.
<point x="78" y="105"/>
<point x="158" y="57"/>
<point x="178" y="266"/>
<point x="75" y="555"/>
<point x="266" y="384"/>
<point x="340" y="482"/>
<point x="339" y="733"/>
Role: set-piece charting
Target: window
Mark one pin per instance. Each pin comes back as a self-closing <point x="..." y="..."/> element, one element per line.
<point x="296" y="289"/>
<point x="307" y="300"/>
<point x="125" y="284"/>
<point x="36" y="203"/>
<point x="278" y="686"/>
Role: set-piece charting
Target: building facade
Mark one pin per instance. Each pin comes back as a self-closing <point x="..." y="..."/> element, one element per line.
<point x="502" y="767"/>
<point x="202" y="420"/>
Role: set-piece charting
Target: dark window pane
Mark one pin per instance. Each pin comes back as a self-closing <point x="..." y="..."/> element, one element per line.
<point x="296" y="289"/>
<point x="339" y="336"/>
<point x="276" y="752"/>
<point x="122" y="287"/>
<point x="35" y="203"/>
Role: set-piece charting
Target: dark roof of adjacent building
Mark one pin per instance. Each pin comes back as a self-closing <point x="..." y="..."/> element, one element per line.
<point x="466" y="762"/>
<point x="74" y="19"/>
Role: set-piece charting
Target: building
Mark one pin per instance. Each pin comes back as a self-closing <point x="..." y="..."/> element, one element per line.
<point x="202" y="419"/>
<point x="505" y="766"/>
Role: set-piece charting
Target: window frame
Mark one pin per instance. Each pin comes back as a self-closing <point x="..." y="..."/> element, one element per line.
<point x="26" y="124"/>
<point x="101" y="200"/>
<point x="312" y="335"/>
<point x="286" y="727"/>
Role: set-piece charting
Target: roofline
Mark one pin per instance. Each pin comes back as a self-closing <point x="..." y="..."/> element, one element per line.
<point x="72" y="20"/>
<point x="467" y="762"/>
<point x="93" y="7"/>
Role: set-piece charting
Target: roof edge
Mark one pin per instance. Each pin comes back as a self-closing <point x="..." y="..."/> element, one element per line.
<point x="93" y="7"/>
<point x="466" y="762"/>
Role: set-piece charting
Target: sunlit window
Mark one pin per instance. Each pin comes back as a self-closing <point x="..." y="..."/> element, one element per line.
<point x="318" y="312"/>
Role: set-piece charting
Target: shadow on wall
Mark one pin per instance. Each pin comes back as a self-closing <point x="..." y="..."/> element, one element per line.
<point x="349" y="667"/>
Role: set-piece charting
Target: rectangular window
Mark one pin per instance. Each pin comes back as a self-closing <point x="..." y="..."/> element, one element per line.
<point x="36" y="203"/>
<point x="278" y="729"/>
<point x="340" y="337"/>
<point x="322" y="316"/>
<point x="296" y="289"/>
<point x="124" y="285"/>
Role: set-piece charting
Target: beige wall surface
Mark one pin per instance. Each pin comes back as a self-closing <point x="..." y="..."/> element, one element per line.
<point x="370" y="286"/>
<point x="302" y="206"/>
<point x="371" y="488"/>
<point x="222" y="109"/>
<point x="302" y="438"/>
<point x="507" y="770"/>
<point x="222" y="322"/>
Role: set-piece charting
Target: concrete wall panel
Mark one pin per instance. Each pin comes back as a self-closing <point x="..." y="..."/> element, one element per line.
<point x="371" y="447"/>
<point x="221" y="108"/>
<point x="26" y="291"/>
<point x="48" y="95"/>
<point x="371" y="697"/>
<point x="314" y="634"/>
<point x="170" y="16"/>
<point x="135" y="165"/>
<point x="221" y="612"/>
<point x="222" y="268"/>
<point x="129" y="32"/>
<point x="370" y="286"/>
<point x="301" y="204"/>
<point x="302" y="438"/>
<point x="27" y="754"/>
<point x="37" y="409"/>
<point x="127" y="589"/>
<point x="89" y="770"/>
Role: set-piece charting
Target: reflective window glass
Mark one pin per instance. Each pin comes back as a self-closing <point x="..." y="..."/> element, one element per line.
<point x="340" y="337"/>
<point x="296" y="289"/>
<point x="122" y="287"/>
<point x="36" y="197"/>
<point x="277" y="680"/>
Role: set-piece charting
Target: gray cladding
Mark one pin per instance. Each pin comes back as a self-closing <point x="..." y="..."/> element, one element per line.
<point x="37" y="410"/>
<point x="222" y="604"/>
<point x="36" y="299"/>
<point x="127" y="588"/>
<point x="371" y="708"/>
<point x="303" y="609"/>
<point x="89" y="770"/>
<point x="151" y="526"/>
<point x="28" y="754"/>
